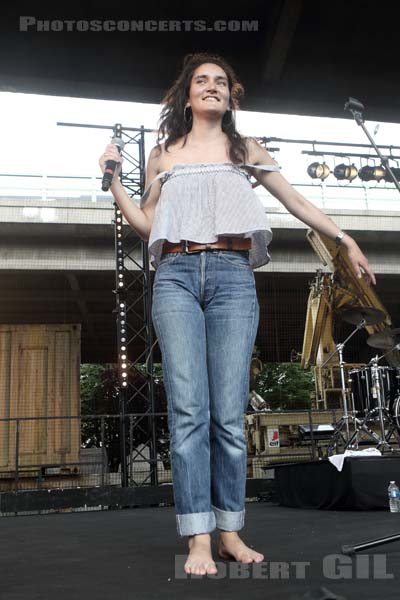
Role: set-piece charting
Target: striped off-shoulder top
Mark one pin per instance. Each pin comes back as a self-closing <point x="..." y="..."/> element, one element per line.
<point x="201" y="201"/>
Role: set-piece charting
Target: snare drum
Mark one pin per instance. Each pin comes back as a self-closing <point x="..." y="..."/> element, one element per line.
<point x="365" y="393"/>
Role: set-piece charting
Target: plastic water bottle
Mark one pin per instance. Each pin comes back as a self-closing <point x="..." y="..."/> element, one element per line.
<point x="394" y="497"/>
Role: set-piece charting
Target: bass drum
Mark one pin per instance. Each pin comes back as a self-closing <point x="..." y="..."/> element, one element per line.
<point x="396" y="413"/>
<point x="364" y="393"/>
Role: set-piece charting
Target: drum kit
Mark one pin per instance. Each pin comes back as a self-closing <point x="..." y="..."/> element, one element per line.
<point x="371" y="401"/>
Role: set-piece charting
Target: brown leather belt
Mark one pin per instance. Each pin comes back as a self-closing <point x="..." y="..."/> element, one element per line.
<point x="224" y="243"/>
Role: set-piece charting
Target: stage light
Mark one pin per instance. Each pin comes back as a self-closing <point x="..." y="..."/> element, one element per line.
<point x="318" y="170"/>
<point x="396" y="173"/>
<point x="372" y="173"/>
<point x="348" y="172"/>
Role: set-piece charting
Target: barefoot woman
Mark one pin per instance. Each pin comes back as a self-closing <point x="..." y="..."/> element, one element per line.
<point x="207" y="230"/>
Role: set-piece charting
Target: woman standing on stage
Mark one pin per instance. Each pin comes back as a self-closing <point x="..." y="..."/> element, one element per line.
<point x="207" y="231"/>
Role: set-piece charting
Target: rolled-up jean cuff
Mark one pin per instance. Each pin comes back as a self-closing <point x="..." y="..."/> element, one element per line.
<point x="229" y="520"/>
<point x="193" y="523"/>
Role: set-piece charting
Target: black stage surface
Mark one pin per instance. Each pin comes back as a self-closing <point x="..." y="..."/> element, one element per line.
<point x="130" y="554"/>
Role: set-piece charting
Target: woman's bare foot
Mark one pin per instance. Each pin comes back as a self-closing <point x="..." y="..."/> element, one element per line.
<point x="231" y="546"/>
<point x="200" y="560"/>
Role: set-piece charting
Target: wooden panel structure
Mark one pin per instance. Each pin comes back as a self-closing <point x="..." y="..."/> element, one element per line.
<point x="39" y="384"/>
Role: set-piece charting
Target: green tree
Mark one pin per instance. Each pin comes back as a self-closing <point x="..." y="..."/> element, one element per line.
<point x="99" y="396"/>
<point x="285" y="386"/>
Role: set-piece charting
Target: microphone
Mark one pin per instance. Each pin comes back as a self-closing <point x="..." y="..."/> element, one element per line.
<point x="354" y="104"/>
<point x="111" y="165"/>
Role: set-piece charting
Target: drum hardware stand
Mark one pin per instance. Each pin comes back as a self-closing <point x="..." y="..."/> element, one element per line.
<point x="381" y="410"/>
<point x="387" y="340"/>
<point x="381" y="407"/>
<point x="343" y="423"/>
<point x="393" y="429"/>
<point x="359" y="316"/>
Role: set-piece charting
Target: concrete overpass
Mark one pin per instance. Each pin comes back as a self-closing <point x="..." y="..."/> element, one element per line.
<point x="57" y="266"/>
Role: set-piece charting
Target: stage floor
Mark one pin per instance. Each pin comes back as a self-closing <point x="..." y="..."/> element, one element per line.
<point x="136" y="554"/>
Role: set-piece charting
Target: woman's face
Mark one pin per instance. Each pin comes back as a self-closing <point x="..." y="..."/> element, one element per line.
<point x="209" y="91"/>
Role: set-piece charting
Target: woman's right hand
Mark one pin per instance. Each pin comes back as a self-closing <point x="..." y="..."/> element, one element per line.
<point x="111" y="153"/>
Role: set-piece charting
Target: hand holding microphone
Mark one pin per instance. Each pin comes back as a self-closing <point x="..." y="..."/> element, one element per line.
<point x="110" y="162"/>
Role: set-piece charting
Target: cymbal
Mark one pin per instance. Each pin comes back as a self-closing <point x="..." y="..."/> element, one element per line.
<point x="356" y="314"/>
<point x="384" y="340"/>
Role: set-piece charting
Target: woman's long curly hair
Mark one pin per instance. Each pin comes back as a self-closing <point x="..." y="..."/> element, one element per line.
<point x="172" y="123"/>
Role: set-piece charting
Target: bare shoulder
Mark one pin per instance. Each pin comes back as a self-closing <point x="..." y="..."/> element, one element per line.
<point x="257" y="154"/>
<point x="153" y="165"/>
<point x="154" y="160"/>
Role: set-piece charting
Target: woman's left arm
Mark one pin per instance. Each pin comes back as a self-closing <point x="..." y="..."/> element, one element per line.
<point x="304" y="210"/>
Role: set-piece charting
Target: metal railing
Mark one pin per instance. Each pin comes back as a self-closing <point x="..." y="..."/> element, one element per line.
<point x="39" y="452"/>
<point x="373" y="197"/>
<point x="52" y="187"/>
<point x="66" y="455"/>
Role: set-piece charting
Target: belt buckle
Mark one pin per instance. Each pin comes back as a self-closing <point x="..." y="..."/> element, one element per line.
<point x="187" y="248"/>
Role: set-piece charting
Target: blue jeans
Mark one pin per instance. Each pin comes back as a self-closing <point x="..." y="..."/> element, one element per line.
<point x="205" y="314"/>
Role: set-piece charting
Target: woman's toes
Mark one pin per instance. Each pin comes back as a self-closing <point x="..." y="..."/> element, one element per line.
<point x="201" y="569"/>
